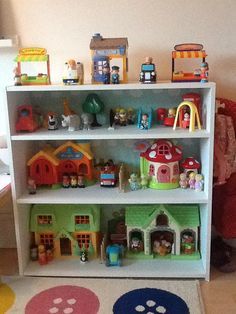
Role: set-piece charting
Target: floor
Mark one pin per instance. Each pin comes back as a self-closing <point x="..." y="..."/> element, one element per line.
<point x="219" y="295"/>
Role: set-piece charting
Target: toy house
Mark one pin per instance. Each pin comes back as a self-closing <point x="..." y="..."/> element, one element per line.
<point x="107" y="53"/>
<point x="48" y="165"/>
<point x="33" y="66"/>
<point x="66" y="229"/>
<point x="164" y="230"/>
<point x="160" y="162"/>
<point x="190" y="164"/>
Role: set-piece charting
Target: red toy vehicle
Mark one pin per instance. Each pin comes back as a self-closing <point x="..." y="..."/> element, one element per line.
<point x="27" y="119"/>
<point x="108" y="175"/>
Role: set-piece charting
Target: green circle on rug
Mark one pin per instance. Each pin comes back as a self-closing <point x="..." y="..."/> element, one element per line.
<point x="64" y="299"/>
<point x="7" y="298"/>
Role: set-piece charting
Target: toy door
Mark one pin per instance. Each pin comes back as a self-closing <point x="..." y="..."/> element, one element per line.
<point x="83" y="169"/>
<point x="68" y="167"/>
<point x="42" y="172"/>
<point x="65" y="246"/>
<point x="163" y="174"/>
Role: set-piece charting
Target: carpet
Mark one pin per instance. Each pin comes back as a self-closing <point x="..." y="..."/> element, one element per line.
<point x="35" y="295"/>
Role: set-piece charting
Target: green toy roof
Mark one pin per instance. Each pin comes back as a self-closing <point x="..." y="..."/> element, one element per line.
<point x="142" y="216"/>
<point x="63" y="217"/>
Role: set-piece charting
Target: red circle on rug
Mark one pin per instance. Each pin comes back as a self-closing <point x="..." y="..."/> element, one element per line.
<point x="64" y="300"/>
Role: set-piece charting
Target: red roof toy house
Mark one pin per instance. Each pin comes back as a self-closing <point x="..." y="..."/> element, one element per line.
<point x="190" y="164"/>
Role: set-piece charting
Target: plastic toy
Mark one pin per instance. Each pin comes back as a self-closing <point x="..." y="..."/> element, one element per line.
<point x="106" y="74"/>
<point x="93" y="105"/>
<point x="187" y="51"/>
<point x="204" y="72"/>
<point x="31" y="186"/>
<point x="114" y="253"/>
<point x="71" y="121"/>
<point x="73" y="180"/>
<point x="38" y="57"/>
<point x="144" y="181"/>
<point x="183" y="182"/>
<point x="160" y="162"/>
<point x="121" y="116"/>
<point x="198" y="186"/>
<point x="73" y="73"/>
<point x="187" y="115"/>
<point x="52" y="122"/>
<point x="134" y="182"/>
<point x="42" y="257"/>
<point x="144" y="119"/>
<point x="115" y="77"/>
<point x="66" y="229"/>
<point x="108" y="52"/>
<point x="17" y="77"/>
<point x="28" y="120"/>
<point x="160" y="229"/>
<point x="108" y="176"/>
<point x="83" y="256"/>
<point x="87" y="121"/>
<point x="80" y="181"/>
<point x="148" y="72"/>
<point x="189" y="165"/>
<point x="191" y="180"/>
<point x="65" y="181"/>
<point x="196" y="99"/>
<point x="167" y="117"/>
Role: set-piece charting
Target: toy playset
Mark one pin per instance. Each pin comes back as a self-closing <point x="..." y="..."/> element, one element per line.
<point x="148" y="72"/>
<point x="187" y="116"/>
<point x="31" y="58"/>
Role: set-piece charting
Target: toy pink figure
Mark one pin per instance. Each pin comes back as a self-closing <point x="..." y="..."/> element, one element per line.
<point x="183" y="182"/>
<point x="198" y="182"/>
<point x="31" y="186"/>
<point x="191" y="180"/>
<point x="42" y="256"/>
<point x="204" y="72"/>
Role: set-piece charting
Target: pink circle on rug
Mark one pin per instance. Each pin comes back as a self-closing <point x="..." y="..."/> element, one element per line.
<point x="63" y="300"/>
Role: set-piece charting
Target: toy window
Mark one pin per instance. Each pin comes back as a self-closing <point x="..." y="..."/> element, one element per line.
<point x="163" y="150"/>
<point x="46" y="239"/>
<point x="82" y="220"/>
<point x="151" y="170"/>
<point x="162" y="220"/>
<point x="176" y="170"/>
<point x="83" y="240"/>
<point x="44" y="220"/>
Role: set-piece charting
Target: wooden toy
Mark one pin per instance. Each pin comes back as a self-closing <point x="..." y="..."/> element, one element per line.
<point x="148" y="72"/>
<point x="144" y="119"/>
<point x="189" y="165"/>
<point x="160" y="162"/>
<point x="187" y="116"/>
<point x="28" y="119"/>
<point x="31" y="59"/>
<point x="93" y="105"/>
<point x="187" y="51"/>
<point x="73" y="73"/>
<point x="66" y="229"/>
<point x="106" y="53"/>
<point x="159" y="230"/>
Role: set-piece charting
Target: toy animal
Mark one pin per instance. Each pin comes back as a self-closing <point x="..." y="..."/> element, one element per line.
<point x="87" y="120"/>
<point x="73" y="122"/>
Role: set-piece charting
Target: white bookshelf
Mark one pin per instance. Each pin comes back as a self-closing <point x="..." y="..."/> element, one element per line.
<point x="23" y="146"/>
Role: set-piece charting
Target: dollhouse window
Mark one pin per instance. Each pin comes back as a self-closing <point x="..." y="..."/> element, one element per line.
<point x="162" y="220"/>
<point x="46" y="239"/>
<point x="83" y="240"/>
<point x="82" y="220"/>
<point x="163" y="150"/>
<point x="44" y="219"/>
<point x="175" y="170"/>
<point x="151" y="170"/>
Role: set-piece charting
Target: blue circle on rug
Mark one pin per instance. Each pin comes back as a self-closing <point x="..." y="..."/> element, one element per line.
<point x="150" y="301"/>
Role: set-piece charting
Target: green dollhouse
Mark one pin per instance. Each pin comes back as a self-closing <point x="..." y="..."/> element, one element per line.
<point x="66" y="228"/>
<point x="163" y="230"/>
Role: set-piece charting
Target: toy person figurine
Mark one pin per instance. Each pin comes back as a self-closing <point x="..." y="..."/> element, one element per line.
<point x="106" y="74"/>
<point x="17" y="77"/>
<point x="204" y="72"/>
<point x="183" y="182"/>
<point x="83" y="256"/>
<point x="115" y="77"/>
<point x="198" y="185"/>
<point x="65" y="181"/>
<point x="52" y="122"/>
<point x="80" y="182"/>
<point x="42" y="256"/>
<point x="144" y="122"/>
<point x="191" y="180"/>
<point x="31" y="186"/>
<point x="73" y="181"/>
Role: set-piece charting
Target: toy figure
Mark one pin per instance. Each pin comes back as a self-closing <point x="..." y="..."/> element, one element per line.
<point x="183" y="182"/>
<point x="136" y="244"/>
<point x="72" y="121"/>
<point x="130" y="116"/>
<point x="148" y="71"/>
<point x="42" y="257"/>
<point x="187" y="244"/>
<point x="52" y="122"/>
<point x="198" y="185"/>
<point x="87" y="120"/>
<point x="65" y="181"/>
<point x="122" y="117"/>
<point x="17" y="77"/>
<point x="73" y="180"/>
<point x="106" y="74"/>
<point x="83" y="256"/>
<point x="115" y="77"/>
<point x="162" y="247"/>
<point x="144" y="122"/>
<point x="31" y="186"/>
<point x="191" y="180"/>
<point x="144" y="181"/>
<point x="80" y="182"/>
<point x="204" y="72"/>
<point x="49" y="253"/>
<point x="134" y="182"/>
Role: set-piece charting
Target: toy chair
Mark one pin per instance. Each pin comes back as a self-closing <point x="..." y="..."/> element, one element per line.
<point x="189" y="121"/>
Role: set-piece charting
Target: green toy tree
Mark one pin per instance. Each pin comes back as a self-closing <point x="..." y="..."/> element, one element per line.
<point x="93" y="105"/>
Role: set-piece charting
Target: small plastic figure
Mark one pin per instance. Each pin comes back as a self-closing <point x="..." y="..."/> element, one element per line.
<point x="136" y="244"/>
<point x="198" y="185"/>
<point x="31" y="186"/>
<point x="49" y="253"/>
<point x="106" y="74"/>
<point x="115" y="77"/>
<point x="204" y="72"/>
<point x="123" y="117"/>
<point x="191" y="180"/>
<point x="144" y="122"/>
<point x="130" y="116"/>
<point x="73" y="181"/>
<point x="144" y="181"/>
<point x="87" y="120"/>
<point x="83" y="256"/>
<point x="42" y="256"/>
<point x="65" y="181"/>
<point x="183" y="182"/>
<point x="52" y="122"/>
<point x="17" y="77"/>
<point x="80" y="182"/>
<point x="134" y="182"/>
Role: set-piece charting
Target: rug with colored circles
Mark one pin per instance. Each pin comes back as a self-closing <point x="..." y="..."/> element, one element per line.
<point x="30" y="295"/>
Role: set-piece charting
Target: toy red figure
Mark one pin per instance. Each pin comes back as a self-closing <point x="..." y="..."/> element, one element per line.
<point x="42" y="256"/>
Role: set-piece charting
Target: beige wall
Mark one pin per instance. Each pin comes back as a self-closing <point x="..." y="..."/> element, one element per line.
<point x="153" y="27"/>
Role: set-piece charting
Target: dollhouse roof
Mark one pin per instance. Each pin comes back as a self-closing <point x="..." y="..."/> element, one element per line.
<point x="98" y="42"/>
<point x="190" y="163"/>
<point x="163" y="151"/>
<point x="142" y="216"/>
<point x="46" y="153"/>
<point x="63" y="217"/>
<point x="84" y="149"/>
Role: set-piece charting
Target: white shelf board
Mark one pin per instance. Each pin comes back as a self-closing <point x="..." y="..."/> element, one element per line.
<point x="127" y="132"/>
<point x="131" y="268"/>
<point x="99" y="195"/>
<point x="96" y="87"/>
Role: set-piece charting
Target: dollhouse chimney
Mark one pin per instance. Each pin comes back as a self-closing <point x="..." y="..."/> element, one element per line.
<point x="97" y="36"/>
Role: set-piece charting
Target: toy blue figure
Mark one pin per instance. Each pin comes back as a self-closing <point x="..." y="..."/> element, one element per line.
<point x="134" y="182"/>
<point x="113" y="255"/>
<point x="106" y="74"/>
<point x="115" y="77"/>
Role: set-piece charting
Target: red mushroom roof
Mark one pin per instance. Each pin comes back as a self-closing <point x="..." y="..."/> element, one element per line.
<point x="190" y="163"/>
<point x="163" y="151"/>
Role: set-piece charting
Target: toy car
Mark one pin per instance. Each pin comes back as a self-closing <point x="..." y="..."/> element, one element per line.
<point x="114" y="253"/>
<point x="148" y="72"/>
